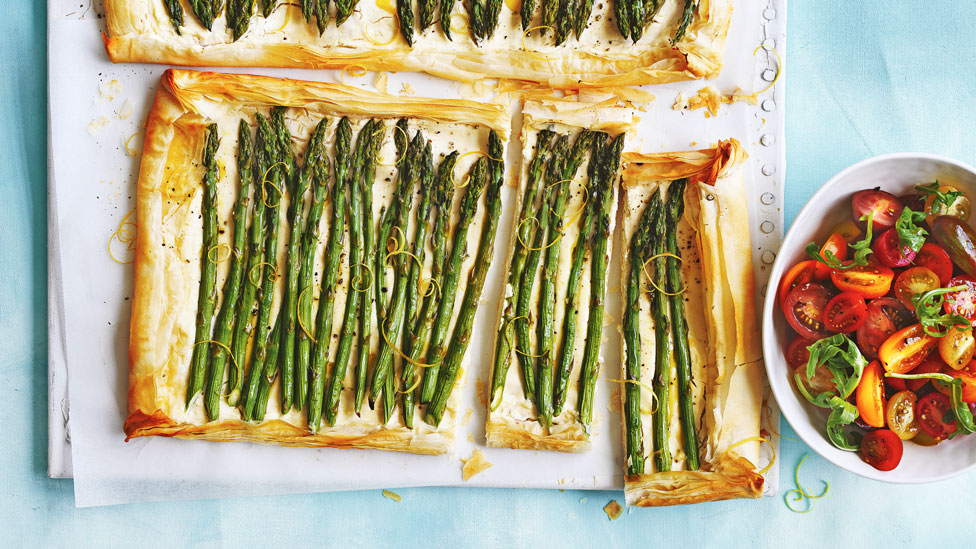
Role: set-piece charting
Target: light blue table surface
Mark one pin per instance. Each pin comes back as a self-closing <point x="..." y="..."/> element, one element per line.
<point x="865" y="77"/>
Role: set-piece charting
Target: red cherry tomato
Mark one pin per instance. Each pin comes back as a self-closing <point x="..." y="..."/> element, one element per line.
<point x="912" y="282"/>
<point x="797" y="353"/>
<point x="896" y="383"/>
<point x="845" y="312"/>
<point x="931" y="365"/>
<point x="882" y="449"/>
<point x="935" y="258"/>
<point x="801" y="273"/>
<point x="884" y="317"/>
<point x="889" y="250"/>
<point x="931" y="412"/>
<point x="804" y="308"/>
<point x="835" y="245"/>
<point x="884" y="208"/>
<point x="962" y="302"/>
<point x="871" y="280"/>
<point x="870" y="396"/>
<point x="906" y="349"/>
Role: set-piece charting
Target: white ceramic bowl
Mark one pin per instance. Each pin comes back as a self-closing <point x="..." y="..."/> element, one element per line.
<point x="897" y="174"/>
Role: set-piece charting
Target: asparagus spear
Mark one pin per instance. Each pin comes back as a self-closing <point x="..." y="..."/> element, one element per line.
<point x="565" y="20"/>
<point x="476" y="282"/>
<point x="547" y="293"/>
<point x="447" y="6"/>
<point x="239" y="16"/>
<point x="404" y="9"/>
<point x="301" y="180"/>
<point x="476" y="20"/>
<point x="445" y="308"/>
<point x="206" y="301"/>
<point x="366" y="311"/>
<point x="204" y="11"/>
<point x="582" y="16"/>
<point x="225" y="319"/>
<point x="270" y="369"/>
<point x="309" y="8"/>
<point x="322" y="14"/>
<point x="250" y="292"/>
<point x="386" y="225"/>
<point x="631" y="333"/>
<point x="651" y="7"/>
<point x="662" y="343"/>
<point x="533" y="189"/>
<point x="550" y="8"/>
<point x="274" y="156"/>
<point x="413" y="166"/>
<point x="268" y="6"/>
<point x="413" y="281"/>
<point x="590" y="369"/>
<point x="686" y="18"/>
<point x="175" y="10"/>
<point x="443" y="194"/>
<point x="592" y="209"/>
<point x="351" y="313"/>
<point x="316" y="170"/>
<point x="621" y="14"/>
<point x="388" y="399"/>
<point x="493" y="9"/>
<point x="526" y="10"/>
<point x="638" y="15"/>
<point x="323" y="321"/>
<point x="344" y="9"/>
<point x="427" y="9"/>
<point x="523" y="345"/>
<point x="679" y="325"/>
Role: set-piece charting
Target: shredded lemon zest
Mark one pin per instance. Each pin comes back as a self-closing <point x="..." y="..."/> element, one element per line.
<point x="298" y="310"/>
<point x="654" y="401"/>
<point x="508" y="337"/>
<point x="287" y="15"/>
<point x="406" y="134"/>
<point x="518" y="235"/>
<point x="799" y="497"/>
<point x="250" y="274"/>
<point x="219" y="246"/>
<point x="530" y="52"/>
<point x="349" y="68"/>
<point x="354" y="282"/>
<point x="651" y="279"/>
<point x="400" y="353"/>
<point x="375" y="41"/>
<point x="237" y="367"/>
<point x="265" y="181"/>
<point x="796" y="476"/>
<point x="124" y="236"/>
<point x="464" y="16"/>
<point x="416" y="383"/>
<point x="127" y="143"/>
<point x="432" y="287"/>
<point x="772" y="460"/>
<point x="779" y="63"/>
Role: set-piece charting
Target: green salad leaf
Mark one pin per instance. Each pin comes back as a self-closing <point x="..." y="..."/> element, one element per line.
<point x="909" y="233"/>
<point x="928" y="308"/>
<point x="846" y="364"/>
<point x="862" y="249"/>
<point x="943" y="200"/>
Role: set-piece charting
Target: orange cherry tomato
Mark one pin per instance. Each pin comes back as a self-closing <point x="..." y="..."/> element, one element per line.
<point x="801" y="273"/>
<point x="957" y="347"/>
<point x="968" y="377"/>
<point x="914" y="281"/>
<point x="960" y="207"/>
<point x="871" y="280"/>
<point x="847" y="230"/>
<point x="870" y="395"/>
<point x="906" y="349"/>
<point x="836" y="245"/>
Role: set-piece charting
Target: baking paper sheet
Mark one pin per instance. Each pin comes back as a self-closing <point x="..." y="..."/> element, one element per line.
<point x="94" y="145"/>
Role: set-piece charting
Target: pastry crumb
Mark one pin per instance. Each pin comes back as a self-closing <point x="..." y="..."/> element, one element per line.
<point x="710" y="98"/>
<point x="407" y="89"/>
<point x="126" y="110"/>
<point x="582" y="500"/>
<point x="96" y="125"/>
<point x="613" y="510"/>
<point x="482" y="393"/>
<point x="474" y="464"/>
<point x="470" y="438"/>
<point x="392" y="496"/>
<point x="615" y="406"/>
<point x="107" y="91"/>
<point x="381" y="81"/>
<point x="467" y="417"/>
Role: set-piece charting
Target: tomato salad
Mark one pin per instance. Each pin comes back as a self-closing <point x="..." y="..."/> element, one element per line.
<point x="884" y="312"/>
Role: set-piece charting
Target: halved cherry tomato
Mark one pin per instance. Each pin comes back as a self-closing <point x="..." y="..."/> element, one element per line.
<point x="821" y="382"/>
<point x="797" y="353"/>
<point x="935" y="258"/>
<point x="847" y="230"/>
<point x="923" y="439"/>
<point x="900" y="414"/>
<point x="962" y="302"/>
<point x="884" y="317"/>
<point x="870" y="395"/>
<point x="882" y="449"/>
<point x="914" y="281"/>
<point x="804" y="308"/>
<point x="968" y="377"/>
<point x="801" y="273"/>
<point x="960" y="208"/>
<point x="956" y="347"/>
<point x="913" y="201"/>
<point x="884" y="208"/>
<point x="835" y="245"/>
<point x="931" y="365"/>
<point x="931" y="412"/>
<point x="889" y="250"/>
<point x="896" y="384"/>
<point x="871" y="280"/>
<point x="845" y="312"/>
<point x="906" y="349"/>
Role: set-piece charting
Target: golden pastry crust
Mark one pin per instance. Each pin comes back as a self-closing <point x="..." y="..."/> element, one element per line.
<point x="168" y="250"/>
<point x="513" y="423"/>
<point x="140" y="31"/>
<point x="719" y="296"/>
